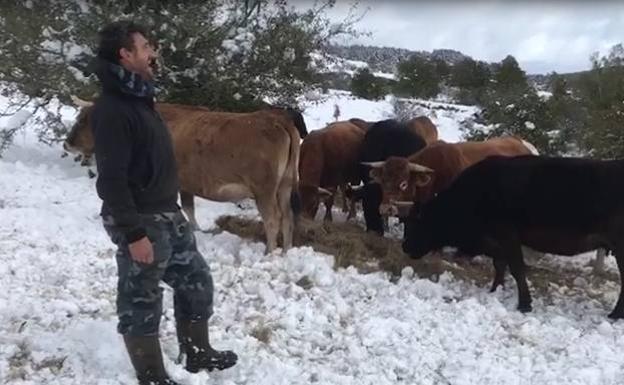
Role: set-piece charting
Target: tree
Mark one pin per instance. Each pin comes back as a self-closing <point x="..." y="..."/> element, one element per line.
<point x="470" y="74"/>
<point x="510" y="76"/>
<point x="224" y="54"/>
<point x="417" y="77"/>
<point x="526" y="116"/>
<point x="558" y="85"/>
<point x="570" y="117"/>
<point x="472" y="78"/>
<point x="442" y="69"/>
<point x="602" y="91"/>
<point x="366" y="85"/>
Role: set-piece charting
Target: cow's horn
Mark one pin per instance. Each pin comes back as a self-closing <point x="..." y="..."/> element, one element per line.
<point x="402" y="204"/>
<point x="79" y="102"/>
<point x="374" y="164"/>
<point x="419" y="168"/>
<point x="324" y="191"/>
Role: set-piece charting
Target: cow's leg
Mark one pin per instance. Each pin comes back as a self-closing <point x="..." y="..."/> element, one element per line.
<point x="343" y="196"/>
<point x="386" y="225"/>
<point x="600" y="261"/>
<point x="518" y="271"/>
<point x="270" y="213"/>
<point x="287" y="216"/>
<point x="353" y="196"/>
<point x="618" y="311"/>
<point x="188" y="206"/>
<point x="500" y="265"/>
<point x="506" y="247"/>
<point x="371" y="202"/>
<point x="352" y="211"/>
<point x="329" y="202"/>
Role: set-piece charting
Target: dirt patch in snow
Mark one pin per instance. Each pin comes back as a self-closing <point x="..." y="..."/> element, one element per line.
<point x="352" y="246"/>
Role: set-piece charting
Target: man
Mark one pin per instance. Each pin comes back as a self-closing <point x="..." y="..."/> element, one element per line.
<point x="138" y="184"/>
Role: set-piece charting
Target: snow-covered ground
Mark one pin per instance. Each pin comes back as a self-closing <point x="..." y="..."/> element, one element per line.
<point x="57" y="301"/>
<point x="319" y="111"/>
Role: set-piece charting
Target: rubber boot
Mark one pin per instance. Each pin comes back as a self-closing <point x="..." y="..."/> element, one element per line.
<point x="194" y="341"/>
<point x="146" y="357"/>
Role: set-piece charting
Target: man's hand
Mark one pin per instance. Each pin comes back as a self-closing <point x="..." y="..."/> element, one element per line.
<point x="142" y="251"/>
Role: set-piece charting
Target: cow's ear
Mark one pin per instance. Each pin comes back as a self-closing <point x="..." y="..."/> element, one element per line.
<point x="422" y="179"/>
<point x="375" y="174"/>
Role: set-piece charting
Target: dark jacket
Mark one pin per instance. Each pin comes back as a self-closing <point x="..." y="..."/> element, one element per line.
<point x="134" y="154"/>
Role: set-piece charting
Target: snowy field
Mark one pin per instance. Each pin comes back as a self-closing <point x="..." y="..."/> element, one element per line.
<point x="58" y="279"/>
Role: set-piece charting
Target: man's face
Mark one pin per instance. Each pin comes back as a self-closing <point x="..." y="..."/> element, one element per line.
<point x="141" y="58"/>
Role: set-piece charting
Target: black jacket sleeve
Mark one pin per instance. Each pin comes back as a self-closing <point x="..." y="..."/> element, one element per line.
<point x="113" y="151"/>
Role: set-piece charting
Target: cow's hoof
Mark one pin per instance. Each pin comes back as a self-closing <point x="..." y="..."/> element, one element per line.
<point x="525" y="308"/>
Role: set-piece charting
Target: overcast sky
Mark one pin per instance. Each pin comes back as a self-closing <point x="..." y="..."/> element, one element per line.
<point x="543" y="36"/>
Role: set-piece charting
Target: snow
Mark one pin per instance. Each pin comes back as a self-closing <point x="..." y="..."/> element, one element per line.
<point x="319" y="111"/>
<point x="57" y="299"/>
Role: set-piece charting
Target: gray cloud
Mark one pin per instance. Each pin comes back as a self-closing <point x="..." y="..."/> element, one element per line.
<point x="542" y="36"/>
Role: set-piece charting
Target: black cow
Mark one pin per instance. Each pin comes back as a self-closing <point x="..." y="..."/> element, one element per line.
<point x="297" y="118"/>
<point x="295" y="115"/>
<point x="383" y="139"/>
<point x="563" y="206"/>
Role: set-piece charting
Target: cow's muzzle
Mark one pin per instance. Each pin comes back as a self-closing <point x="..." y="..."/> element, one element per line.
<point x="396" y="208"/>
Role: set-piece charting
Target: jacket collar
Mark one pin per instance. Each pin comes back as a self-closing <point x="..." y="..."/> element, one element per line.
<point x="116" y="78"/>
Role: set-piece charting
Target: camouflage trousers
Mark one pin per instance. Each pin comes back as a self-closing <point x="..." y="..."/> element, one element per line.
<point x="177" y="262"/>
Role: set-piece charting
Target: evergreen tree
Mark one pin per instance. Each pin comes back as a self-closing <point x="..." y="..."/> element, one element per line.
<point x="570" y="117"/>
<point x="417" y="77"/>
<point x="510" y="76"/>
<point x="366" y="85"/>
<point x="442" y="69"/>
<point x="223" y="54"/>
<point x="472" y="78"/>
<point x="526" y="116"/>
<point x="602" y="91"/>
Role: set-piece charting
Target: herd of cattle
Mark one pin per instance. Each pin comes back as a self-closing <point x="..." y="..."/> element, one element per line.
<point x="489" y="197"/>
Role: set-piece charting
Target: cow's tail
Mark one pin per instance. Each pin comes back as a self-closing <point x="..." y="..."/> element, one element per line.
<point x="295" y="203"/>
<point x="291" y="175"/>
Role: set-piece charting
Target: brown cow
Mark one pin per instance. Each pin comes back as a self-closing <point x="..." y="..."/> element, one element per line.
<point x="363" y="124"/>
<point x="227" y="157"/>
<point x="329" y="160"/>
<point x="422" y="175"/>
<point x="424" y="127"/>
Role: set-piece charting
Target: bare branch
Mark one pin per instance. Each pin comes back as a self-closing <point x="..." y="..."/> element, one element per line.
<point x="19" y="107"/>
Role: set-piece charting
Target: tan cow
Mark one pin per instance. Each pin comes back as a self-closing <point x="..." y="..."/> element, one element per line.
<point x="418" y="178"/>
<point x="225" y="156"/>
<point x="329" y="160"/>
<point x="424" y="127"/>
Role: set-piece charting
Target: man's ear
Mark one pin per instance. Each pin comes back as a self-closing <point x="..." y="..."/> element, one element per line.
<point x="124" y="53"/>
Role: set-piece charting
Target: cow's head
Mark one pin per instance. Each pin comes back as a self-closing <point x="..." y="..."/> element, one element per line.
<point x="311" y="196"/>
<point x="401" y="181"/>
<point x="80" y="138"/>
<point x="419" y="237"/>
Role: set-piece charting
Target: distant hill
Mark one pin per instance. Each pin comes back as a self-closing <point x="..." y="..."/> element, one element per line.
<point x="385" y="59"/>
<point x="543" y="81"/>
